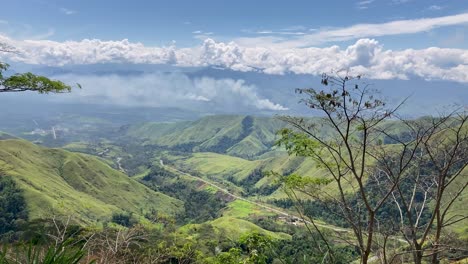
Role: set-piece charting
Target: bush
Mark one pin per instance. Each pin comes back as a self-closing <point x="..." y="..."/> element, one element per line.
<point x="12" y="205"/>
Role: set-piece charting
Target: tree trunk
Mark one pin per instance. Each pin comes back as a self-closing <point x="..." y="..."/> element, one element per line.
<point x="365" y="257"/>
<point x="435" y="247"/>
<point x="417" y="254"/>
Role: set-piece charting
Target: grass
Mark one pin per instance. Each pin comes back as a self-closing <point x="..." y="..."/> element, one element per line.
<point x="243" y="209"/>
<point x="56" y="181"/>
<point x="220" y="166"/>
<point x="229" y="134"/>
<point x="234" y="228"/>
<point x="459" y="206"/>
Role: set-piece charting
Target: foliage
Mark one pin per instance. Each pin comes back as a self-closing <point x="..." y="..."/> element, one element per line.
<point x="39" y="254"/>
<point x="124" y="219"/>
<point x="377" y="190"/>
<point x="241" y="136"/>
<point x="304" y="249"/>
<point x="30" y="82"/>
<point x="248" y="183"/>
<point x="199" y="205"/>
<point x="77" y="184"/>
<point x="13" y="208"/>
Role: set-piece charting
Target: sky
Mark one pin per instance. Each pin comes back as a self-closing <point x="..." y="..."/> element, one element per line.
<point x="383" y="40"/>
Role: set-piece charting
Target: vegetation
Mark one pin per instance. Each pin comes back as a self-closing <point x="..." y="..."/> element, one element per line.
<point x="55" y="181"/>
<point x="199" y="205"/>
<point x="13" y="211"/>
<point x="372" y="180"/>
<point x="62" y="253"/>
<point x="28" y="81"/>
<point x="360" y="184"/>
<point x="240" y="136"/>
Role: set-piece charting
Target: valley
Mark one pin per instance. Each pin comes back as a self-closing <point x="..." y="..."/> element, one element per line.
<point x="220" y="173"/>
<point x="233" y="132"/>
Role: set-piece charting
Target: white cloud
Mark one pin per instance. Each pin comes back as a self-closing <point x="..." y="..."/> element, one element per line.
<point x="294" y="28"/>
<point x="67" y="11"/>
<point x="269" y="32"/>
<point x="271" y="54"/>
<point x="168" y="90"/>
<point x="199" y="34"/>
<point x="364" y="4"/>
<point x="435" y="7"/>
<point x="366" y="56"/>
<point x="399" y="2"/>
<point x="397" y="27"/>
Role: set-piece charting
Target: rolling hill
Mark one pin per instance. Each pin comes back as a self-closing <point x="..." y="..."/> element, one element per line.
<point x="242" y="136"/>
<point x="56" y="181"/>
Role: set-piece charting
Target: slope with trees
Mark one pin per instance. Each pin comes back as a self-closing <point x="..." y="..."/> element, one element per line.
<point x="55" y="181"/>
<point x="371" y="179"/>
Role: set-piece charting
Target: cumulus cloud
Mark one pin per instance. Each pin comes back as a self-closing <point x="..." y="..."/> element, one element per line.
<point x="366" y="57"/>
<point x="168" y="90"/>
<point x="270" y="54"/>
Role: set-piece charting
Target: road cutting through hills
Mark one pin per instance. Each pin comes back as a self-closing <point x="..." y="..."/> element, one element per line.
<point x="266" y="207"/>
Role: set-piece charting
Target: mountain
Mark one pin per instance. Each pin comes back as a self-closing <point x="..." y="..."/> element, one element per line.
<point x="242" y="136"/>
<point x="56" y="181"/>
<point x="246" y="175"/>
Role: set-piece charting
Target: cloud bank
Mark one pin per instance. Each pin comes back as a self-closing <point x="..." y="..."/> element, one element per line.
<point x="272" y="54"/>
<point x="168" y="90"/>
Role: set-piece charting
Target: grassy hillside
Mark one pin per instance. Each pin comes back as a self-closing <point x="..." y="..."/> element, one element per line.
<point x="243" y="136"/>
<point x="459" y="206"/>
<point x="248" y="137"/>
<point x="241" y="172"/>
<point x="61" y="182"/>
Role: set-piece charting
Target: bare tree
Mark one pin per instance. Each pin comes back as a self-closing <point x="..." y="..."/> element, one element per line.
<point x="433" y="181"/>
<point x="119" y="245"/>
<point x="347" y="144"/>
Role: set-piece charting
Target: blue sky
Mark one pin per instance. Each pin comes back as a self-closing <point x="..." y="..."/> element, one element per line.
<point x="161" y="22"/>
<point x="414" y="41"/>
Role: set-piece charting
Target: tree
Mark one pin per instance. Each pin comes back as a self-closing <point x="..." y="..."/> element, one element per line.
<point x="368" y="178"/>
<point x="434" y="181"/>
<point x="28" y="81"/>
<point x="12" y="205"/>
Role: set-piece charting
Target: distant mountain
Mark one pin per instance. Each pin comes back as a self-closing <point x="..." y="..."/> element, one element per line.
<point x="56" y="181"/>
<point x="243" y="136"/>
<point x="424" y="96"/>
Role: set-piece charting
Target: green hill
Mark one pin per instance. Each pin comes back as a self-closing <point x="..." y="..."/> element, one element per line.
<point x="243" y="136"/>
<point x="247" y="174"/>
<point x="56" y="181"/>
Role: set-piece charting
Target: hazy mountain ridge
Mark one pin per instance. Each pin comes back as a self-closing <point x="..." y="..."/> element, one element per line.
<point x="243" y="136"/>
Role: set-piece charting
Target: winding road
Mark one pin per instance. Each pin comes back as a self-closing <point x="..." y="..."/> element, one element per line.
<point x="119" y="164"/>
<point x="266" y="207"/>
